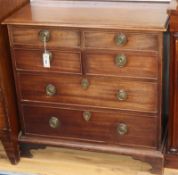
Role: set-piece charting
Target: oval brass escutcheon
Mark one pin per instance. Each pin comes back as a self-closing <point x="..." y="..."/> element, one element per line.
<point x="121" y="39"/>
<point x="54" y="122"/>
<point x="50" y="90"/>
<point x="44" y="35"/>
<point x="122" y="129"/>
<point x="121" y="60"/>
<point x="122" y="95"/>
<point x="85" y="83"/>
<point x="86" y="115"/>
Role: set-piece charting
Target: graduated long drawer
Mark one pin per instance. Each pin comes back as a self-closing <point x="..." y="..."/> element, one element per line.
<point x="104" y="92"/>
<point x="90" y="126"/>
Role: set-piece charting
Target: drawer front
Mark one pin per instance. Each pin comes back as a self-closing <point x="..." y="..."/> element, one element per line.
<point x="111" y="40"/>
<point x="101" y="91"/>
<point x="103" y="127"/>
<point x="31" y="60"/>
<point x="27" y="36"/>
<point x="123" y="64"/>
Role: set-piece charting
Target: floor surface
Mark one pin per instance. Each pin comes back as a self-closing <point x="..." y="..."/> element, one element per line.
<point x="59" y="161"/>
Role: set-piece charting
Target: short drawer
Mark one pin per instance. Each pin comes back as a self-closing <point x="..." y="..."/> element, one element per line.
<point x="124" y="40"/>
<point x="57" y="37"/>
<point x="114" y="128"/>
<point x="123" y="64"/>
<point x="91" y="91"/>
<point x="31" y="60"/>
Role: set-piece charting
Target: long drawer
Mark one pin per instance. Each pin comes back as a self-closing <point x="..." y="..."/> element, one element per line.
<point x="60" y="61"/>
<point x="114" y="128"/>
<point x="90" y="91"/>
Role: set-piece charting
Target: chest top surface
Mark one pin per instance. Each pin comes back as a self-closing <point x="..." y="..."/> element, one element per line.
<point x="108" y="15"/>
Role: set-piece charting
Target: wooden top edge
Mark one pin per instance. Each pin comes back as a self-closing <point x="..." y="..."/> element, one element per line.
<point x="153" y="28"/>
<point x="129" y="16"/>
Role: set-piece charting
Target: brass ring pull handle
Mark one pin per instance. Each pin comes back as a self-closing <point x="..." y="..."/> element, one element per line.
<point x="54" y="122"/>
<point x="122" y="95"/>
<point x="50" y="90"/>
<point x="122" y="129"/>
<point x="120" y="60"/>
<point x="44" y="35"/>
<point x="121" y="39"/>
<point x="87" y="116"/>
<point x="85" y="83"/>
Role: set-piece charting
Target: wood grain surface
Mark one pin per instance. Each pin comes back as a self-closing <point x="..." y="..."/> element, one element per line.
<point x="104" y="63"/>
<point x="29" y="36"/>
<point x="171" y="158"/>
<point x="9" y="6"/>
<point x="55" y="161"/>
<point x="91" y="26"/>
<point x="71" y="38"/>
<point x="61" y="61"/>
<point x="101" y="127"/>
<point x="120" y="15"/>
<point x="2" y="112"/>
<point x="8" y="113"/>
<point x="99" y="94"/>
<point x="135" y="41"/>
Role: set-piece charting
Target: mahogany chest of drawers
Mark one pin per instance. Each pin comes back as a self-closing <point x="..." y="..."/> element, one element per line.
<point x="102" y="87"/>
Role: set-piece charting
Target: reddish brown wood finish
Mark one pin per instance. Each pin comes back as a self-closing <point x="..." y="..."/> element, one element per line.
<point x="29" y="36"/>
<point x="63" y="62"/>
<point x="135" y="41"/>
<point x="2" y="111"/>
<point x="151" y="156"/>
<point x="101" y="128"/>
<point x="8" y="112"/>
<point x="171" y="158"/>
<point x="102" y="63"/>
<point x="143" y="98"/>
<point x="9" y="119"/>
<point x="98" y="94"/>
<point x="92" y="41"/>
<point x="10" y="6"/>
<point x="108" y="15"/>
<point x="174" y="112"/>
